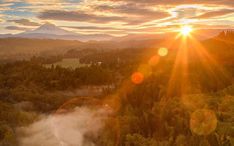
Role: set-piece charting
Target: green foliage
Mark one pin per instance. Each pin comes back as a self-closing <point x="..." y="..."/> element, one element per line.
<point x="139" y="140"/>
<point x="7" y="135"/>
<point x="30" y="74"/>
<point x="71" y="63"/>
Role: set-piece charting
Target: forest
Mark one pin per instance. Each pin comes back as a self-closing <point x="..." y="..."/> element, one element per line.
<point x="155" y="100"/>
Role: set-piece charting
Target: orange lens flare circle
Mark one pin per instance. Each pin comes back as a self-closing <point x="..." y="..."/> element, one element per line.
<point x="153" y="61"/>
<point x="137" y="78"/>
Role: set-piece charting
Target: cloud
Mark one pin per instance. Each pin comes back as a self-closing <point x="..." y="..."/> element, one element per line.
<point x="93" y="18"/>
<point x="132" y="9"/>
<point x="213" y="14"/>
<point x="115" y="16"/>
<point x="124" y="30"/>
<point x="1" y="17"/>
<point x="136" y="14"/>
<point x="186" y="12"/>
<point x="51" y="1"/>
<point x="16" y="28"/>
<point x="92" y="28"/>
<point x="177" y="2"/>
<point x="25" y="22"/>
<point x="42" y="1"/>
<point x="76" y="16"/>
<point x="5" y="6"/>
<point x="75" y="128"/>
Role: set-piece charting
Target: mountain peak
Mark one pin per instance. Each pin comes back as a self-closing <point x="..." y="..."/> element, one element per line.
<point x="48" y="25"/>
<point x="49" y="28"/>
<point x="51" y="31"/>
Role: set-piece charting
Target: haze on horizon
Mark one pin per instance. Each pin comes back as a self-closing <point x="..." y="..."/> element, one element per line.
<point x="116" y="17"/>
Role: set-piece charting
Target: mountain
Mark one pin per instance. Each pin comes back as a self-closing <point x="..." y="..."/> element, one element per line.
<point x="49" y="28"/>
<point x="51" y="31"/>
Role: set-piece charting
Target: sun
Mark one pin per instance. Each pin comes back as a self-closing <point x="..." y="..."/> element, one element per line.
<point x="186" y="30"/>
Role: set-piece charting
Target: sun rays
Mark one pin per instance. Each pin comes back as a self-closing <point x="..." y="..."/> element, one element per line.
<point x="189" y="53"/>
<point x="191" y="50"/>
<point x="187" y="50"/>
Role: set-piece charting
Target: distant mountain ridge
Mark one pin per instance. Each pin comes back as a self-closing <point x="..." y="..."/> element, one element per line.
<point x="51" y="31"/>
<point x="21" y="48"/>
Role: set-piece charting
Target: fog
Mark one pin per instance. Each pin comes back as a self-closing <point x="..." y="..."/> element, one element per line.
<point x="76" y="128"/>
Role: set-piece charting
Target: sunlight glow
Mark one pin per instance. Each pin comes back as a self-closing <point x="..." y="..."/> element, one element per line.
<point x="186" y="30"/>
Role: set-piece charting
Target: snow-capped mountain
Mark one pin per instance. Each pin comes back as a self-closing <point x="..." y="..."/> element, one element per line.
<point x="51" y="31"/>
<point x="49" y="28"/>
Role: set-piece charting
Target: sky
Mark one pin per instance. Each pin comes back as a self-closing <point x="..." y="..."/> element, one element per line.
<point x="116" y="17"/>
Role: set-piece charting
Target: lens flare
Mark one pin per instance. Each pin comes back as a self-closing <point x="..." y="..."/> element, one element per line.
<point x="162" y="52"/>
<point x="203" y="122"/>
<point x="145" y="70"/>
<point x="153" y="61"/>
<point x="137" y="78"/>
